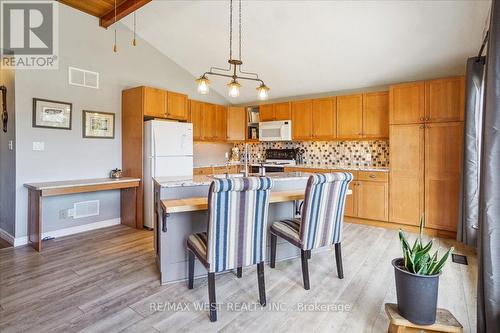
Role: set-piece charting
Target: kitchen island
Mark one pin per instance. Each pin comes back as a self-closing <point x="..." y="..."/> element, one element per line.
<point x="182" y="210"/>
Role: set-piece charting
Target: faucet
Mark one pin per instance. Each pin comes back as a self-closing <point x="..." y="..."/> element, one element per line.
<point x="245" y="154"/>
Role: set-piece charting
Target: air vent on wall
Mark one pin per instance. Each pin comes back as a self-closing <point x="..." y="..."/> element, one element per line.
<point x="83" y="78"/>
<point x="85" y="209"/>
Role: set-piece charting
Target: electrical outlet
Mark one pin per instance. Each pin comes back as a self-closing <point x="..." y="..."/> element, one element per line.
<point x="368" y="157"/>
<point x="11" y="145"/>
<point x="66" y="213"/>
<point x="63" y="214"/>
<point x="38" y="146"/>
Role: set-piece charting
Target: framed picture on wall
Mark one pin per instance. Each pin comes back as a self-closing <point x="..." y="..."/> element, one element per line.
<point x="51" y="114"/>
<point x="99" y="125"/>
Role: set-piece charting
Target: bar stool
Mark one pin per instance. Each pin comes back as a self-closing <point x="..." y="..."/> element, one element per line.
<point x="320" y="223"/>
<point x="236" y="235"/>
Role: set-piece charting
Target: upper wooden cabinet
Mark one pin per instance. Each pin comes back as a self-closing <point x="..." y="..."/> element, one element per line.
<point x="443" y="161"/>
<point x="196" y="109"/>
<point x="236" y="124"/>
<point x="159" y="103"/>
<point x="177" y="106"/>
<point x="407" y="103"/>
<point x="277" y="111"/>
<point x="429" y="101"/>
<point x="445" y="99"/>
<point x="324" y="118"/>
<point x="376" y="115"/>
<point x="209" y="121"/>
<point x="302" y="120"/>
<point x="282" y="111"/>
<point x="155" y="102"/>
<point x="266" y="112"/>
<point x="350" y="116"/>
<point x="220" y="122"/>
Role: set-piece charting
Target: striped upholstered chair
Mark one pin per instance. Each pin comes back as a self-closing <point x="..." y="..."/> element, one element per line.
<point x="321" y="220"/>
<point x="236" y="235"/>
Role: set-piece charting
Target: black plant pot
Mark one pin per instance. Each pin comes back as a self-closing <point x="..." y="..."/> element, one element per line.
<point x="417" y="294"/>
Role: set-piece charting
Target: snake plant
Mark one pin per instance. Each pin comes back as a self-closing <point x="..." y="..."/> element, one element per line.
<point x="417" y="258"/>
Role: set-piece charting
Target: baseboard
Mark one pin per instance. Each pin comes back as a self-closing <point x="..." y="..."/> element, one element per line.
<point x="393" y="225"/>
<point x="7" y="237"/>
<point x="18" y="241"/>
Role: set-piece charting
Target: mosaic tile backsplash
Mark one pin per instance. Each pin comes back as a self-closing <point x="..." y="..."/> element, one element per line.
<point x="341" y="153"/>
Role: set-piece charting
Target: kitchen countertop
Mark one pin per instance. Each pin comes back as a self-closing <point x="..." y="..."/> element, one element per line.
<point x="308" y="166"/>
<point x="204" y="180"/>
<point x="341" y="167"/>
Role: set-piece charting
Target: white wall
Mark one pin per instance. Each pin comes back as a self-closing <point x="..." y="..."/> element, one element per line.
<point x="207" y="153"/>
<point x="83" y="44"/>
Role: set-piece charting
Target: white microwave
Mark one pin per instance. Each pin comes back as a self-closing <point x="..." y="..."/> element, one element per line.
<point x="275" y="130"/>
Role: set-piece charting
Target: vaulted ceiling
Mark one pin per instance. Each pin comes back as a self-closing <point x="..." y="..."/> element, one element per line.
<point x="308" y="47"/>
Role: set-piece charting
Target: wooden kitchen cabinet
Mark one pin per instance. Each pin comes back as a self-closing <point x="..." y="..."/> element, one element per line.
<point x="155" y="102"/>
<point x="209" y="122"/>
<point x="445" y="99"/>
<point x="350" y="116"/>
<point x="302" y="120"/>
<point x="376" y="115"/>
<point x="443" y="162"/>
<point x="276" y="111"/>
<point x="220" y="122"/>
<point x="406" y="178"/>
<point x="177" y="106"/>
<point x="324" y="118"/>
<point x="407" y="103"/>
<point x="266" y="112"/>
<point x="196" y="111"/>
<point x="282" y="111"/>
<point x="372" y="200"/>
<point x="236" y="124"/>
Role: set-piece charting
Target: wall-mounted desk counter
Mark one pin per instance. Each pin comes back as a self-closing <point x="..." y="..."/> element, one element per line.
<point x="36" y="191"/>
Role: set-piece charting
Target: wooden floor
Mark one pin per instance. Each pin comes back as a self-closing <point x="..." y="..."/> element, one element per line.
<point x="107" y="281"/>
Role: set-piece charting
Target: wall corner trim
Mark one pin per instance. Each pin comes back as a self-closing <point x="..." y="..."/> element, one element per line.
<point x="19" y="241"/>
<point x="7" y="237"/>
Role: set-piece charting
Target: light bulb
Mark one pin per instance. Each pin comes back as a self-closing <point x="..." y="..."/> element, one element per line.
<point x="234" y="88"/>
<point x="263" y="91"/>
<point x="203" y="85"/>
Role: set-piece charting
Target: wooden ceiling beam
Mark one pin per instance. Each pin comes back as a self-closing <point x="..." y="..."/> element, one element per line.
<point x="123" y="9"/>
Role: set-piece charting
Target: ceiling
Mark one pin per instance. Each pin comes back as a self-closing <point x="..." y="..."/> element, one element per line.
<point x="106" y="10"/>
<point x="310" y="47"/>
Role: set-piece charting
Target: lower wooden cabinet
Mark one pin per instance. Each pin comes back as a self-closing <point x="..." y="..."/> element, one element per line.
<point x="370" y="193"/>
<point x="426" y="162"/>
<point x="443" y="162"/>
<point x="373" y="200"/>
<point x="370" y="196"/>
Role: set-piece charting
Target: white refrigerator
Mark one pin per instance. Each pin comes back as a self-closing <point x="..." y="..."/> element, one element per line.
<point x="168" y="152"/>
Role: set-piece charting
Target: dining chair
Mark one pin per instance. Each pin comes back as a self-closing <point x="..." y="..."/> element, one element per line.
<point x="236" y="234"/>
<point x="320" y="223"/>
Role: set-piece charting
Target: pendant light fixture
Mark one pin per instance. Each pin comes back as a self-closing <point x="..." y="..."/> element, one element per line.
<point x="134" y="43"/>
<point x="115" y="47"/>
<point x="234" y="67"/>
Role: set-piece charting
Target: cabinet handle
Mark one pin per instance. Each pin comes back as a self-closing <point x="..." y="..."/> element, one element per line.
<point x="372" y="176"/>
<point x="422" y="126"/>
<point x="427" y="118"/>
<point x="421" y="118"/>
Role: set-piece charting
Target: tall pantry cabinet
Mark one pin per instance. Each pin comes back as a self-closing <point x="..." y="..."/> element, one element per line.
<point x="426" y="132"/>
